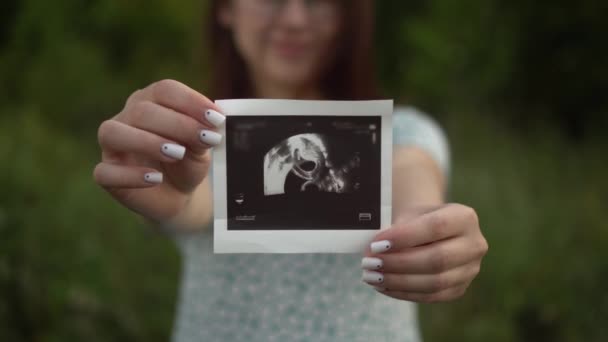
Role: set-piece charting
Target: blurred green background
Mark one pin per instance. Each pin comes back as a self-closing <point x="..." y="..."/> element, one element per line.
<point x="520" y="87"/>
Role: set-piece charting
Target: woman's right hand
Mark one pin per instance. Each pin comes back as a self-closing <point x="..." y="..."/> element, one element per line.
<point x="156" y="151"/>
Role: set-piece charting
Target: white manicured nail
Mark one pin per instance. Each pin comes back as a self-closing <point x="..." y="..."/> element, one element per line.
<point x="215" y="118"/>
<point x="372" y="277"/>
<point x="380" y="246"/>
<point x="153" y="177"/>
<point x="371" y="263"/>
<point x="174" y="151"/>
<point x="210" y="137"/>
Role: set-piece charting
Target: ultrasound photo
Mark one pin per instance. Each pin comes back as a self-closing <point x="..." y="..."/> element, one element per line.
<point x="303" y="172"/>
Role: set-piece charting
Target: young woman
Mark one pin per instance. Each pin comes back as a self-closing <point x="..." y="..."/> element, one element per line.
<point x="156" y="157"/>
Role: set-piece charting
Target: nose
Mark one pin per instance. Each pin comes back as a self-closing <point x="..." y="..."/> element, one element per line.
<point x="295" y="14"/>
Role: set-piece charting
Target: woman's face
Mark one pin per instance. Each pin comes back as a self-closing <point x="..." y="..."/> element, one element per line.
<point x="287" y="42"/>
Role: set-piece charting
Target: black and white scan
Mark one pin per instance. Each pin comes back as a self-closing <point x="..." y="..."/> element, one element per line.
<point x="305" y="157"/>
<point x="303" y="172"/>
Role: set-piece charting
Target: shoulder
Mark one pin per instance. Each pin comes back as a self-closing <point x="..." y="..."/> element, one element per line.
<point x="411" y="120"/>
<point x="413" y="127"/>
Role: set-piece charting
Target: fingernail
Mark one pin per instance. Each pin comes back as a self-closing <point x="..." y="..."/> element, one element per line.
<point x="371" y="263"/>
<point x="210" y="137"/>
<point x="215" y="118"/>
<point x="372" y="277"/>
<point x="380" y="246"/>
<point x="153" y="177"/>
<point x="174" y="151"/>
<point x="380" y="289"/>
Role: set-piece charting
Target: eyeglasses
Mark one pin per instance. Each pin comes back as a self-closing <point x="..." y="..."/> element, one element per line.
<point x="317" y="9"/>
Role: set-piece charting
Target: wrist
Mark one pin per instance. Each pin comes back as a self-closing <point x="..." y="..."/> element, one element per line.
<point x="196" y="213"/>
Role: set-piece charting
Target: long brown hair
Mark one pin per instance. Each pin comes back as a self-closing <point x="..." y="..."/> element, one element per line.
<point x="351" y="75"/>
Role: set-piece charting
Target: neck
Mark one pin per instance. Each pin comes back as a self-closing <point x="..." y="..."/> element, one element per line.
<point x="273" y="90"/>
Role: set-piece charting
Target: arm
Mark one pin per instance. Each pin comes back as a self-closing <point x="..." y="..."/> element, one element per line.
<point x="433" y="251"/>
<point x="417" y="180"/>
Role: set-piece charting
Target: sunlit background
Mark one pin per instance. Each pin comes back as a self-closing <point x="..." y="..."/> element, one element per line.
<point x="520" y="87"/>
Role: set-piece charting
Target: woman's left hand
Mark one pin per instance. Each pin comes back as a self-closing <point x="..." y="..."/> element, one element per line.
<point x="430" y="257"/>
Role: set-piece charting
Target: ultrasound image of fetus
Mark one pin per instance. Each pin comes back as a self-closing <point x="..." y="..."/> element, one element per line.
<point x="304" y="160"/>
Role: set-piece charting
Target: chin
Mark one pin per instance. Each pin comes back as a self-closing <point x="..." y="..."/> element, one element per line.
<point x="294" y="82"/>
<point x="292" y="78"/>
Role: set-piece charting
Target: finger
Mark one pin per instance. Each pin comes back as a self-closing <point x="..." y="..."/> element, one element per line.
<point x="441" y="296"/>
<point x="428" y="259"/>
<point x="413" y="212"/>
<point x="422" y="283"/>
<point x="166" y="122"/>
<point x="443" y="223"/>
<point x="121" y="176"/>
<point x="117" y="136"/>
<point x="183" y="99"/>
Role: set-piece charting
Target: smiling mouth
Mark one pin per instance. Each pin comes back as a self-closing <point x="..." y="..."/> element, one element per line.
<point x="290" y="50"/>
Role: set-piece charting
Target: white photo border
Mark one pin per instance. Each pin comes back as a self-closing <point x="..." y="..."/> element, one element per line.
<point x="300" y="241"/>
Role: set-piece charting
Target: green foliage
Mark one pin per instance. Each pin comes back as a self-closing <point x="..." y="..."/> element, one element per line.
<point x="444" y="51"/>
<point x="535" y="60"/>
<point x="77" y="61"/>
<point x="541" y="202"/>
<point x="76" y="266"/>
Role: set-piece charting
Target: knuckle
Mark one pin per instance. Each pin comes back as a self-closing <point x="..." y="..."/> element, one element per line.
<point x="482" y="247"/>
<point x="475" y="269"/>
<point x="159" y="88"/>
<point x="438" y="261"/>
<point x="458" y="293"/>
<point x="439" y="282"/>
<point x="438" y="225"/>
<point x="443" y="296"/>
<point x="470" y="215"/>
<point x="105" y="131"/>
<point x="98" y="174"/>
<point x="431" y="298"/>
<point x="134" y="96"/>
<point x="139" y="110"/>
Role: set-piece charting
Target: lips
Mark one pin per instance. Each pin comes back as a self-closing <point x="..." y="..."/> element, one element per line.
<point x="290" y="49"/>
